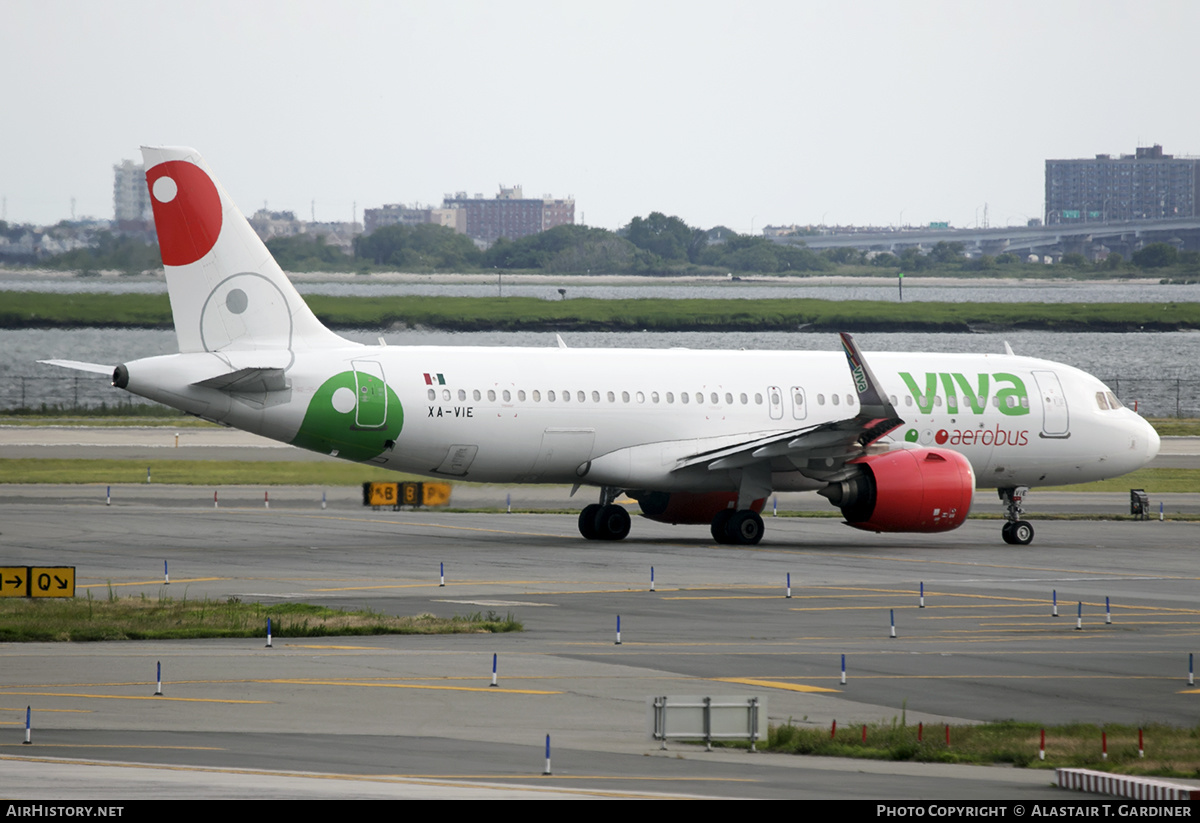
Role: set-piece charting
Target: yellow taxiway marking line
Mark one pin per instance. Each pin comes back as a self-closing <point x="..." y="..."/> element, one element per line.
<point x="150" y="582"/>
<point x="61" y="711"/>
<point x="449" y="780"/>
<point x="422" y="686"/>
<point x="422" y="525"/>
<point x="774" y="684"/>
<point x="136" y="697"/>
<point x="44" y="745"/>
<point x="339" y="648"/>
<point x="933" y="562"/>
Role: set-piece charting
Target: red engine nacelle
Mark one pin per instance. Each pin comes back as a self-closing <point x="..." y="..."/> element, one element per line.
<point x="687" y="507"/>
<point x="907" y="490"/>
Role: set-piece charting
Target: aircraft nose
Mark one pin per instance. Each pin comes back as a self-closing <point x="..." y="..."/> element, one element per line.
<point x="1153" y="441"/>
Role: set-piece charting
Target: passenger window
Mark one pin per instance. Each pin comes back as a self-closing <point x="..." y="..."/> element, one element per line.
<point x="550" y="395"/>
<point x="595" y="397"/>
<point x="491" y="394"/>
<point x="445" y="394"/>
<point x="612" y="398"/>
<point x="670" y="397"/>
<point x="758" y="398"/>
<point x="507" y="396"/>
<point x="580" y="396"/>
<point x="476" y="394"/>
<point x="432" y="395"/>
<point x="820" y="400"/>
<point x="653" y="397"/>
<point x="566" y="396"/>
<point x="537" y="396"/>
<point x="683" y="397"/>
<point x="641" y="397"/>
<point x="833" y="398"/>
<point x="744" y="399"/>
<point x="521" y="395"/>
<point x="624" y="397"/>
<point x="462" y="394"/>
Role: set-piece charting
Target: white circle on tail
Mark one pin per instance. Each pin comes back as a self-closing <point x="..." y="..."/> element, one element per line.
<point x="245" y="311"/>
<point x="165" y="189"/>
<point x="343" y="400"/>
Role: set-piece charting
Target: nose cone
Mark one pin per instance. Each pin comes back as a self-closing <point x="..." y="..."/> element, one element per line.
<point x="1152" y="440"/>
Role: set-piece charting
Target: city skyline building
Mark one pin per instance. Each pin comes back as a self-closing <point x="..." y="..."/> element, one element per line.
<point x="1145" y="185"/>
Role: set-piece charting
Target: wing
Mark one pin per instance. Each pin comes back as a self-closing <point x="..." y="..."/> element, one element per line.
<point x="819" y="451"/>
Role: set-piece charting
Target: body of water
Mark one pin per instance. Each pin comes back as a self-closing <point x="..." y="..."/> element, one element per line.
<point x="985" y="291"/>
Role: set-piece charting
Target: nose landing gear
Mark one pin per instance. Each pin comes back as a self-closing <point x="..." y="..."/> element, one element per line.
<point x="1016" y="532"/>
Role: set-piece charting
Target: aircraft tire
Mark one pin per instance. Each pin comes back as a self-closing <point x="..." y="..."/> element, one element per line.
<point x="587" y="521"/>
<point x="745" y="528"/>
<point x="1022" y="533"/>
<point x="612" y="523"/>
<point x="718" y="526"/>
<point x="1006" y="532"/>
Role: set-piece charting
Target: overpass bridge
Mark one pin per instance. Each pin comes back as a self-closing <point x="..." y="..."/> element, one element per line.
<point x="1089" y="239"/>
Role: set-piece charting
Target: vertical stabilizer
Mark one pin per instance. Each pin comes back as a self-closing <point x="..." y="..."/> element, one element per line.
<point x="227" y="292"/>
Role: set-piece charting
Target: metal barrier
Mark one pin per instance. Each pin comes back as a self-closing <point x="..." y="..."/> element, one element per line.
<point x="697" y="717"/>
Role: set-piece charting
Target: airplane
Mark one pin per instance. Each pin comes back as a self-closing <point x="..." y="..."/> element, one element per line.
<point x="695" y="437"/>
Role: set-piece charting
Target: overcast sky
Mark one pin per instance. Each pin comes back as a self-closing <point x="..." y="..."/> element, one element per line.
<point x="745" y="114"/>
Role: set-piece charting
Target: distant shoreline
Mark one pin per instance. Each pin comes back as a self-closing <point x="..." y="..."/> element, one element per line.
<point x="45" y="310"/>
<point x="10" y="279"/>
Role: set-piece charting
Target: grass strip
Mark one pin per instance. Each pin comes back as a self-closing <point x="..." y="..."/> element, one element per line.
<point x="306" y="473"/>
<point x="40" y="310"/>
<point x="194" y="472"/>
<point x="111" y="617"/>
<point x="1170" y="751"/>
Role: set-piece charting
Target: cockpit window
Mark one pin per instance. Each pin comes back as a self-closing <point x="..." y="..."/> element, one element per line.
<point x="1101" y="400"/>
<point x="1113" y="402"/>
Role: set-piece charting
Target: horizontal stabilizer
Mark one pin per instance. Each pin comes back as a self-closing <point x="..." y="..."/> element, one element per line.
<point x="247" y="380"/>
<point x="79" y="365"/>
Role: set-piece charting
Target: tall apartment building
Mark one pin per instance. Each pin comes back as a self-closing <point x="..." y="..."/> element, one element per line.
<point x="510" y="214"/>
<point x="394" y="214"/>
<point x="1141" y="186"/>
<point x="131" y="198"/>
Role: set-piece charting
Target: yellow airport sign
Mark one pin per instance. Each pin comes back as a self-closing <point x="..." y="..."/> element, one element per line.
<point x="406" y="494"/>
<point x="52" y="581"/>
<point x="381" y="494"/>
<point x="435" y="494"/>
<point x="37" y="581"/>
<point x="14" y="581"/>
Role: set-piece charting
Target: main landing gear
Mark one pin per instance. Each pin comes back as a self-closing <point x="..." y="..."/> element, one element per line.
<point x="743" y="528"/>
<point x="604" y="520"/>
<point x="1016" y="532"/>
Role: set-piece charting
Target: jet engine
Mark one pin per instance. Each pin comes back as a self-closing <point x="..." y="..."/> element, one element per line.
<point x="907" y="490"/>
<point x="687" y="507"/>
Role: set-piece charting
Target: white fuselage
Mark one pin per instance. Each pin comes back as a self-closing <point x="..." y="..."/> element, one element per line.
<point x="624" y="418"/>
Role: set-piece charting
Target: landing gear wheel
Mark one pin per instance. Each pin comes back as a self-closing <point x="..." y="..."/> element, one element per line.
<point x="612" y="523"/>
<point x="1019" y="533"/>
<point x="587" y="521"/>
<point x="718" y="525"/>
<point x="744" y="528"/>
